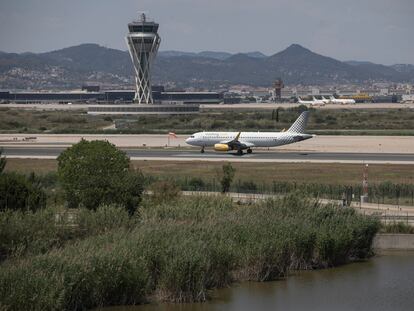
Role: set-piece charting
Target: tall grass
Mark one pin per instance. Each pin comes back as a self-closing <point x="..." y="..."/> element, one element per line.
<point x="182" y="248"/>
<point x="25" y="233"/>
<point x="397" y="227"/>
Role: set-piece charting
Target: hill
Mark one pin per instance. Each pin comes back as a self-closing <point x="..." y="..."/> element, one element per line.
<point x="90" y="63"/>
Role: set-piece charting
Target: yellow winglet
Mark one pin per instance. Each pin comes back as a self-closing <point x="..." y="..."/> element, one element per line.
<point x="237" y="137"/>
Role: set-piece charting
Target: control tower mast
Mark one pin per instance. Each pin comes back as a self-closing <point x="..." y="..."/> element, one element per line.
<point x="143" y="43"/>
<point x="278" y="86"/>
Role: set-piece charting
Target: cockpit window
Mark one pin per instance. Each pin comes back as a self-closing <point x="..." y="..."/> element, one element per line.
<point x="192" y="136"/>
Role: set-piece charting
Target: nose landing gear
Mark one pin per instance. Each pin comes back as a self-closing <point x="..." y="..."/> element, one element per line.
<point x="202" y="150"/>
<point x="249" y="150"/>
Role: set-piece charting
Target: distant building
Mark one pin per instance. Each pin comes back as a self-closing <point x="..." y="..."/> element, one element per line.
<point x="91" y="88"/>
<point x="143" y="109"/>
<point x="408" y="98"/>
<point x="110" y="97"/>
<point x="278" y="85"/>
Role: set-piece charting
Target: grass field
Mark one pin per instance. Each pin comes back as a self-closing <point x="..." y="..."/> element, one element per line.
<point x="36" y="121"/>
<point x="256" y="172"/>
<point x="343" y="121"/>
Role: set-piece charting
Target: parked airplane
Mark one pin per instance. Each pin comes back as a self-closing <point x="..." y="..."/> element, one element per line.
<point x="227" y="141"/>
<point x="305" y="102"/>
<point x="341" y="101"/>
<point x="326" y="100"/>
<point x="314" y="102"/>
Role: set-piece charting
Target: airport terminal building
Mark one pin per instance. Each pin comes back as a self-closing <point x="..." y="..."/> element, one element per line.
<point x="119" y="102"/>
<point x="110" y="97"/>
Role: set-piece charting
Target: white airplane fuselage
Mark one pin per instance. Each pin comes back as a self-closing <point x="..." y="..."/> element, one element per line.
<point x="252" y="139"/>
<point x="314" y="102"/>
<point x="227" y="141"/>
<point x="342" y="101"/>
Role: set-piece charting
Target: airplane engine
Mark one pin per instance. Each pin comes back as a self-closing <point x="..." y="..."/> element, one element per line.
<point x="221" y="147"/>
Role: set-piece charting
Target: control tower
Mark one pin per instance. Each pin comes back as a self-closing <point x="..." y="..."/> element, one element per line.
<point x="143" y="42"/>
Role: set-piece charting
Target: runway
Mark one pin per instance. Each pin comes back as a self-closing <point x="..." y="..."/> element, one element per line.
<point x="209" y="155"/>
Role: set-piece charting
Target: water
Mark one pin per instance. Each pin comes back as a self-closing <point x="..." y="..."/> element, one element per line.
<point x="385" y="282"/>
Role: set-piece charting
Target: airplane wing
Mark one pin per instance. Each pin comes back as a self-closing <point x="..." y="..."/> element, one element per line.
<point x="228" y="142"/>
<point x="236" y="143"/>
<point x="246" y="144"/>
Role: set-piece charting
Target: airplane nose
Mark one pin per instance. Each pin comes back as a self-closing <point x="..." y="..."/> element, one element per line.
<point x="187" y="140"/>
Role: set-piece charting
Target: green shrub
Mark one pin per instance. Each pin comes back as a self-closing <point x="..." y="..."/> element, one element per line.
<point x="3" y="161"/>
<point x="227" y="177"/>
<point x="18" y="192"/>
<point x="248" y="186"/>
<point x="95" y="173"/>
<point x="196" y="184"/>
<point x="164" y="191"/>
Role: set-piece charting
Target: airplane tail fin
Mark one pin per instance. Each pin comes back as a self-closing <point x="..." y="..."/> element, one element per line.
<point x="299" y="126"/>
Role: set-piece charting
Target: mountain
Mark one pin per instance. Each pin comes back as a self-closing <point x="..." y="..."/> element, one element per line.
<point x="91" y="57"/>
<point x="404" y="68"/>
<point x="215" y="55"/>
<point x="207" y="54"/>
<point x="90" y="63"/>
<point x="357" y="63"/>
<point x="175" y="54"/>
<point x="297" y="64"/>
<point x="256" y="54"/>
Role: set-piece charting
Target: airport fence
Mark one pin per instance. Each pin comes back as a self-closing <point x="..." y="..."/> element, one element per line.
<point x="381" y="193"/>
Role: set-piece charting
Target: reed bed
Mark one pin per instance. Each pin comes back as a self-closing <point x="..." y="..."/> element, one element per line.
<point x="178" y="250"/>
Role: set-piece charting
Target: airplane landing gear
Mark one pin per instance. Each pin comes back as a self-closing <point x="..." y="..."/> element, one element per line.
<point x="202" y="150"/>
<point x="239" y="152"/>
<point x="249" y="150"/>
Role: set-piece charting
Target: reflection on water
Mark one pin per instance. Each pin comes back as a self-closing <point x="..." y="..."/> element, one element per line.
<point x="385" y="282"/>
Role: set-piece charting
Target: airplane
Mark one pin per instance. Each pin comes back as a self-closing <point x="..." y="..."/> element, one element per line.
<point x="305" y="102"/>
<point x="341" y="101"/>
<point x="314" y="102"/>
<point x="326" y="100"/>
<point x="239" y="141"/>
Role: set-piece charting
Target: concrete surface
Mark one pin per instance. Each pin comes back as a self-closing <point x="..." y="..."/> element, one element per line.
<point x="394" y="241"/>
<point x="225" y="106"/>
<point x="291" y="105"/>
<point x="51" y="152"/>
<point x="322" y="143"/>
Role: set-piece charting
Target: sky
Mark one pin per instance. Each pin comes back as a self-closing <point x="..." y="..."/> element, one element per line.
<point x="380" y="31"/>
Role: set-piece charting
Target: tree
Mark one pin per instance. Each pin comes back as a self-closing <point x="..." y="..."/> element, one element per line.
<point x="96" y="172"/>
<point x="227" y="178"/>
<point x="2" y="161"/>
<point x="17" y="192"/>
